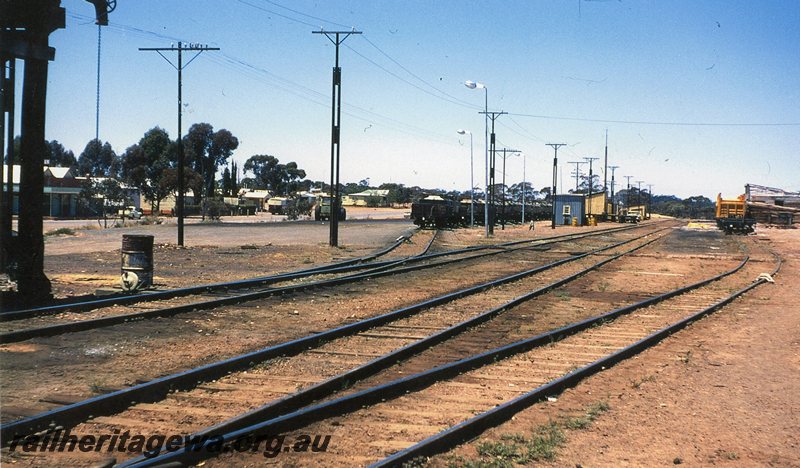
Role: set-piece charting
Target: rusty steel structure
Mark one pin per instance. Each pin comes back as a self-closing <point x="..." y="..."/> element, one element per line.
<point x="25" y="28"/>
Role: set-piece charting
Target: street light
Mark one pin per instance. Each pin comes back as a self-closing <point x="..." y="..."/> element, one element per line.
<point x="471" y="180"/>
<point x="476" y="85"/>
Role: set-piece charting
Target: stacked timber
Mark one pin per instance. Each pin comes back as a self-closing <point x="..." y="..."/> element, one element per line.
<point x="773" y="206"/>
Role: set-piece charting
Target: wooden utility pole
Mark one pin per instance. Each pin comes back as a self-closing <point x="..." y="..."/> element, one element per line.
<point x="199" y="48"/>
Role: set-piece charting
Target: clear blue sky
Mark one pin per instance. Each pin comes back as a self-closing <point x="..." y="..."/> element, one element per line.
<point x="697" y="97"/>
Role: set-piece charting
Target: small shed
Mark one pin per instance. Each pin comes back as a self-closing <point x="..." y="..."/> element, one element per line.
<point x="375" y="197"/>
<point x="596" y="204"/>
<point x="569" y="207"/>
<point x="257" y="198"/>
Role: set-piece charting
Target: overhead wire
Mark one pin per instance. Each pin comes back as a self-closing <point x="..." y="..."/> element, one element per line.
<point x="441" y="94"/>
<point x="665" y="123"/>
<point x="449" y="97"/>
<point x="274" y="80"/>
<point x="305" y="14"/>
<point x="408" y="82"/>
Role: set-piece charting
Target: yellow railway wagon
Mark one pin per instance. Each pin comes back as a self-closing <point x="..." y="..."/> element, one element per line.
<point x="732" y="216"/>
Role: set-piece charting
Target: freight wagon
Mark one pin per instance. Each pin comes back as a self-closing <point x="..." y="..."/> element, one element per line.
<point x="435" y="211"/>
<point x="732" y="216"/>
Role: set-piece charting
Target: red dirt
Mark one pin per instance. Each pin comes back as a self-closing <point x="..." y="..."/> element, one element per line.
<point x="722" y="391"/>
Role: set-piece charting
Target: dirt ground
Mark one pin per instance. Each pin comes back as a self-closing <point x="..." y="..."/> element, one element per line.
<point x="88" y="259"/>
<point x="721" y="392"/>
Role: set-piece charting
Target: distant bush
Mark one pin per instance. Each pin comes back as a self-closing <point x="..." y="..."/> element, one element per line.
<point x="213" y="209"/>
<point x="299" y="207"/>
<point x="61" y="232"/>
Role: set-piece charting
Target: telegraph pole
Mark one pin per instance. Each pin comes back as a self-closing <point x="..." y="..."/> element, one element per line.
<point x="639" y="193"/>
<point x="555" y="147"/>
<point x="613" y="205"/>
<point x="180" y="66"/>
<point x="503" y="219"/>
<point x="493" y="116"/>
<point x="649" y="198"/>
<point x="605" y="175"/>
<point x="628" y="191"/>
<point x="591" y="182"/>
<point x="577" y="172"/>
<point x="336" y="114"/>
<point x="524" y="188"/>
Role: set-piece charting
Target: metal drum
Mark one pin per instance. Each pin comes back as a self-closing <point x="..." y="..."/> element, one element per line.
<point x="137" y="262"/>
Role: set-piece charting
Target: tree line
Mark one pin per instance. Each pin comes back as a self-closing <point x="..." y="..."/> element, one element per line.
<point x="151" y="166"/>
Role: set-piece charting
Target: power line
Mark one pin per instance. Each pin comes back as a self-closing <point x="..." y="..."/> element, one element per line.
<point x="306" y="15"/>
<point x="441" y="94"/>
<point x="278" y="14"/>
<point x="258" y="73"/>
<point x="470" y="106"/>
<point x="645" y="122"/>
<point x="453" y="98"/>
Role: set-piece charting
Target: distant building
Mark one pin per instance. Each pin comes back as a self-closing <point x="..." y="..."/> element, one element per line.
<point x="376" y="196"/>
<point x="569" y="207"/>
<point x="768" y="205"/>
<point x="259" y="198"/>
<point x="61" y="190"/>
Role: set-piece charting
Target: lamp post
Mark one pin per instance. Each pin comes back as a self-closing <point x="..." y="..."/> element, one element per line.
<point x="476" y="85"/>
<point x="471" y="180"/>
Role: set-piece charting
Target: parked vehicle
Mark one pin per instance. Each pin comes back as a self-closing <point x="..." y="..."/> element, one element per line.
<point x="130" y="212"/>
<point x="277" y="205"/>
<point x="323" y="210"/>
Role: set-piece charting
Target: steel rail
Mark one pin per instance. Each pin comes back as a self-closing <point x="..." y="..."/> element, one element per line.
<point x="473" y="427"/>
<point x="336" y="383"/>
<point x="380" y="271"/>
<point x="339" y="267"/>
<point x="399" y="387"/>
<point x="157" y="389"/>
<point x="132" y="298"/>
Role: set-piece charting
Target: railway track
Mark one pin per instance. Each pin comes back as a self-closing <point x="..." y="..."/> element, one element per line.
<point x="82" y="304"/>
<point x="73" y="367"/>
<point x="38" y="323"/>
<point x="423" y="324"/>
<point x="430" y="407"/>
<point x="395" y="335"/>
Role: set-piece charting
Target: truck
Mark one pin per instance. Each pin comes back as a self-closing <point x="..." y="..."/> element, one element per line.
<point x="732" y="216"/>
<point x="278" y="205"/>
<point x="632" y="214"/>
<point x="323" y="209"/>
